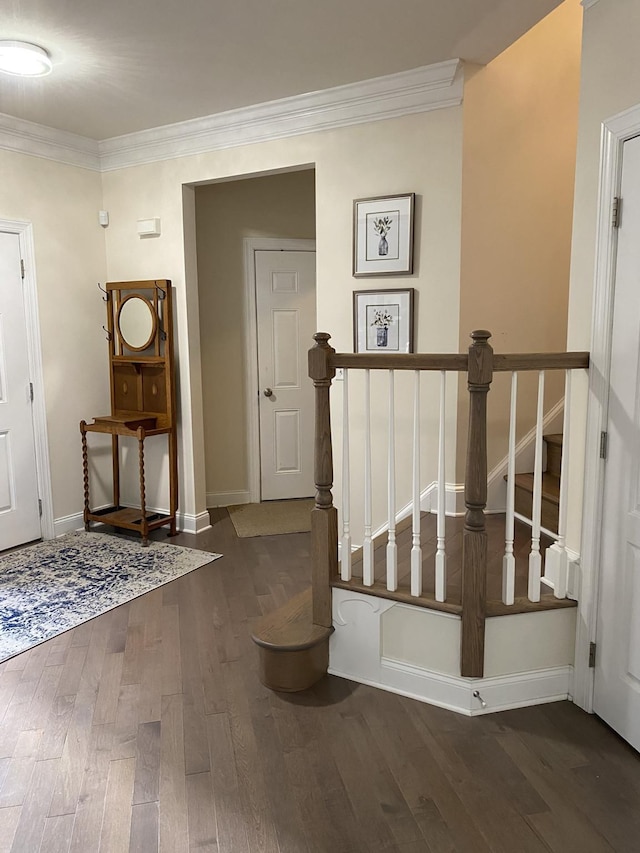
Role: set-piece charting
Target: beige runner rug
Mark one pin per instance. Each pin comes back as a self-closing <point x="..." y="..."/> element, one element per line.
<point x="271" y="518"/>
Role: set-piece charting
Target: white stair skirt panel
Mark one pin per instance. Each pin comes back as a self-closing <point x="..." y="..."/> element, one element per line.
<point x="370" y="645"/>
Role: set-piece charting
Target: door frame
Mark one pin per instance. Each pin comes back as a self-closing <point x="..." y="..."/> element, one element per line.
<point x="614" y="133"/>
<point x="251" y="246"/>
<point x="24" y="232"/>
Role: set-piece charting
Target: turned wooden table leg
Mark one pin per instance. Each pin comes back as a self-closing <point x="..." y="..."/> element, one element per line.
<point x="115" y="462"/>
<point x="173" y="481"/>
<point x="85" y="472"/>
<point x="144" y="525"/>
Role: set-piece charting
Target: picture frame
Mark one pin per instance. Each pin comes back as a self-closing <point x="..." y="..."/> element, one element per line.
<point x="383" y="235"/>
<point x="383" y="321"/>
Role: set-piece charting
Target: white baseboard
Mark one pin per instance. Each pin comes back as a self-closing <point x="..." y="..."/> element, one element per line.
<point x="186" y="522"/>
<point x="456" y="694"/>
<point x="68" y="524"/>
<point x="503" y="693"/>
<point x="500" y="693"/>
<point x="228" y="498"/>
<point x="193" y="523"/>
<point x="355" y="653"/>
<point x="453" y="499"/>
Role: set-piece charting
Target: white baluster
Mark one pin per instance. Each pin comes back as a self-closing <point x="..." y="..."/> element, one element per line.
<point x="367" y="545"/>
<point x="345" y="551"/>
<point x="441" y="558"/>
<point x="392" y="548"/>
<point x="509" y="560"/>
<point x="556" y="561"/>
<point x="416" y="550"/>
<point x="535" y="558"/>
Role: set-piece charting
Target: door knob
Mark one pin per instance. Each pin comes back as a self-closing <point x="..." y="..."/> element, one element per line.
<point x="268" y="392"/>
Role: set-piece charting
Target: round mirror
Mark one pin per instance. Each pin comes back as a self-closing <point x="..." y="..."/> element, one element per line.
<point x="136" y="322"/>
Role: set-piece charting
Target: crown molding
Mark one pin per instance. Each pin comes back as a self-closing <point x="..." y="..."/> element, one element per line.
<point x="27" y="137"/>
<point x="419" y="90"/>
<point x="587" y="4"/>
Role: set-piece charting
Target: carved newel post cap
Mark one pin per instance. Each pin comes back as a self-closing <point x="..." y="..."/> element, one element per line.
<point x="480" y="336"/>
<point x="322" y="338"/>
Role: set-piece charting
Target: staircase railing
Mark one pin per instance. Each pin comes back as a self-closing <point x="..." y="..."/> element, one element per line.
<point x="480" y="364"/>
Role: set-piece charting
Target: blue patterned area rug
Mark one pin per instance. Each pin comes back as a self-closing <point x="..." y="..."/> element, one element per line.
<point x="53" y="586"/>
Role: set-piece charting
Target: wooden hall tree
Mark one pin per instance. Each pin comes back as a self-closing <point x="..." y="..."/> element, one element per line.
<point x="141" y="375"/>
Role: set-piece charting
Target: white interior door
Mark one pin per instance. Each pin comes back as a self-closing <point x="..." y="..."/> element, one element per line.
<point x="286" y="318"/>
<point x="19" y="509"/>
<point x="617" y="674"/>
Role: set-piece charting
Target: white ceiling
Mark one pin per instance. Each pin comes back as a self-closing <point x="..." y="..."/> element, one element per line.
<point x="127" y="65"/>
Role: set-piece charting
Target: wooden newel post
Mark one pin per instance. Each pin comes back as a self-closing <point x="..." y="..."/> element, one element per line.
<point x="324" y="517"/>
<point x="474" y="544"/>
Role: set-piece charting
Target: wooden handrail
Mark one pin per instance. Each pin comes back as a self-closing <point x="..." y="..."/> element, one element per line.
<point x="540" y="361"/>
<point x="458" y="362"/>
<point x="400" y="361"/>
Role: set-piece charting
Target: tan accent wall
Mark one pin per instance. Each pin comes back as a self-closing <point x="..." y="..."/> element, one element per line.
<point x="520" y="128"/>
<point x="271" y="206"/>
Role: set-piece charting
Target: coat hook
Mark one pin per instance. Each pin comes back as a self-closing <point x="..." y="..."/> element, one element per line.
<point x="105" y="298"/>
<point x="109" y="335"/>
<point x="161" y="293"/>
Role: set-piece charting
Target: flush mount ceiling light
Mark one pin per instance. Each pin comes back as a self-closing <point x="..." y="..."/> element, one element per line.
<point x="23" y="59"/>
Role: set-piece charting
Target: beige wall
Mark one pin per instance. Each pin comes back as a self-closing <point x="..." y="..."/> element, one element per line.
<point x="520" y="128"/>
<point x="62" y="203"/>
<point x="226" y="213"/>
<point x="419" y="153"/>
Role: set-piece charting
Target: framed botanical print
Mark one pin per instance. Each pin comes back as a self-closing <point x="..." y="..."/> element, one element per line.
<point x="383" y="321"/>
<point x="383" y="235"/>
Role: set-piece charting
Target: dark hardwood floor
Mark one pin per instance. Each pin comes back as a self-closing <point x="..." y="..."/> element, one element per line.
<point x="147" y="729"/>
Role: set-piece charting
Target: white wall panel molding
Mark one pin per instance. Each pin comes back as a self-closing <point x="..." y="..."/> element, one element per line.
<point x="419" y="90"/>
<point x="355" y="654"/>
<point x="27" y="137"/>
